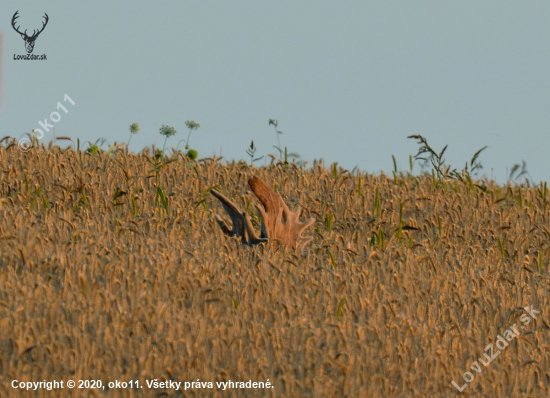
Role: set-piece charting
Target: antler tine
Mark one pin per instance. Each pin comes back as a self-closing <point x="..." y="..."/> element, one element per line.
<point x="45" y="23"/>
<point x="43" y="26"/>
<point x="15" y="16"/>
<point x="241" y="223"/>
<point x="230" y="208"/>
<point x="253" y="238"/>
<point x="271" y="205"/>
<point x="281" y="223"/>
<point x="305" y="224"/>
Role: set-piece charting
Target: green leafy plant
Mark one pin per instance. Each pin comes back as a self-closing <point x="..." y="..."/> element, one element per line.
<point x="94" y="148"/>
<point x="334" y="170"/>
<point x="275" y="123"/>
<point x="158" y="162"/>
<point x="340" y="308"/>
<point x="191" y="153"/>
<point x="475" y="165"/>
<point x="162" y="201"/>
<point x="39" y="196"/>
<point x="378" y="239"/>
<point x="518" y="171"/>
<point x="377" y="205"/>
<point x="251" y="151"/>
<point x="428" y="155"/>
<point x="440" y="171"/>
<point x="134" y="198"/>
<point x="399" y="232"/>
<point x="166" y="131"/>
<point x="134" y="129"/>
<point x="359" y="187"/>
<point x="394" y="168"/>
<point x="84" y="201"/>
<point x="283" y="154"/>
<point x="203" y="196"/>
<point x="332" y="259"/>
<point x="114" y="148"/>
<point x="329" y="219"/>
<point x="543" y="190"/>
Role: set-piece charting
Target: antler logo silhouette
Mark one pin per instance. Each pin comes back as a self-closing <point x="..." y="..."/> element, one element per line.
<point x="29" y="40"/>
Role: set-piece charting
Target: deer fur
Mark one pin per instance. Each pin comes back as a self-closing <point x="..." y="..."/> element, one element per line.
<point x="278" y="223"/>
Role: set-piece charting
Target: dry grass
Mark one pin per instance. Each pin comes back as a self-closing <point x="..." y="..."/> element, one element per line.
<point x="99" y="286"/>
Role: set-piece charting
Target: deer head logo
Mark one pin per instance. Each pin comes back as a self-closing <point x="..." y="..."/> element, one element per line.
<point x="29" y="40"/>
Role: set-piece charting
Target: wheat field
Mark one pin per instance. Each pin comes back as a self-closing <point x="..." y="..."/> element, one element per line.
<point x="112" y="268"/>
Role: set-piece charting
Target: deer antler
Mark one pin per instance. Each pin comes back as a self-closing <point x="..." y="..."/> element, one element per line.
<point x="34" y="33"/>
<point x="43" y="25"/>
<point x="242" y="225"/>
<point x="277" y="221"/>
<point x="15" y="16"/>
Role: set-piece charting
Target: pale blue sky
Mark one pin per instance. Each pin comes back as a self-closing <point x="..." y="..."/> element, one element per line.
<point x="348" y="81"/>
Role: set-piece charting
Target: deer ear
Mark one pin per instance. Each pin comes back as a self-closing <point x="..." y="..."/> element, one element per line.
<point x="23" y="37"/>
